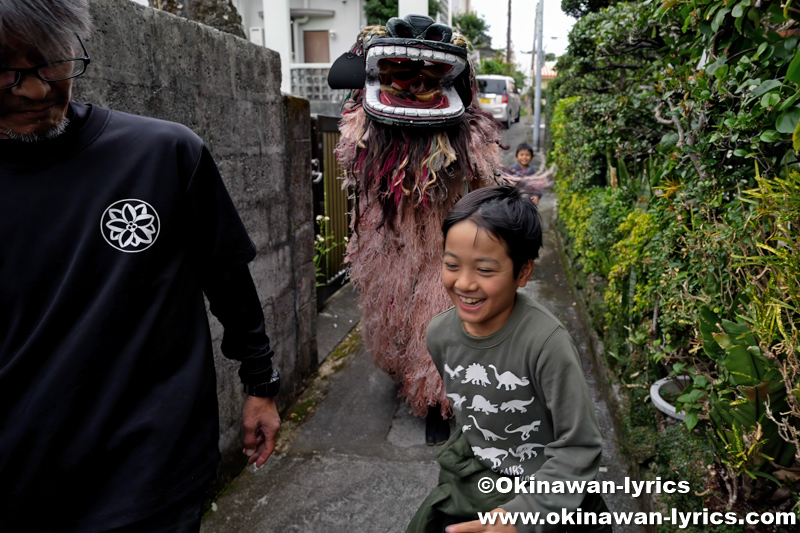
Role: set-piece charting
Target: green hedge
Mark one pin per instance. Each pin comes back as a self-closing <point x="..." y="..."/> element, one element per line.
<point x="675" y="126"/>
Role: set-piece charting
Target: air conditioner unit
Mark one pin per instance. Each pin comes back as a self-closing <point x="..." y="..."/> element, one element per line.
<point x="257" y="35"/>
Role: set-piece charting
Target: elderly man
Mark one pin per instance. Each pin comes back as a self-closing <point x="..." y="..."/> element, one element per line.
<point x="113" y="226"/>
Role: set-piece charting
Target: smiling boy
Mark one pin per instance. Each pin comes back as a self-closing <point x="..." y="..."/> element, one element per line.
<point x="511" y="371"/>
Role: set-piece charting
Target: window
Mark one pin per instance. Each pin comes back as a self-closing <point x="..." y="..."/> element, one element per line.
<point x="492" y="86"/>
<point x="316" y="47"/>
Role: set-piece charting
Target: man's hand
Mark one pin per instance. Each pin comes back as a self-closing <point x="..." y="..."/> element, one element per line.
<point x="476" y="527"/>
<point x="261" y="423"/>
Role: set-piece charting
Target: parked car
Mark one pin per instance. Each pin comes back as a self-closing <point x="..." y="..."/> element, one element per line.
<point x="500" y="97"/>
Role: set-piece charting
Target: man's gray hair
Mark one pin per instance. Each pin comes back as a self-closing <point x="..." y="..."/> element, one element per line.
<point x="49" y="26"/>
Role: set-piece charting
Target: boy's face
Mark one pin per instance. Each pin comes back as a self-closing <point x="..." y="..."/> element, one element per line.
<point x="479" y="277"/>
<point x="524" y="158"/>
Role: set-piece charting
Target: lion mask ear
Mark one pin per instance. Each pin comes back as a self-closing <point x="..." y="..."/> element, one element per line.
<point x="463" y="86"/>
<point x="349" y="71"/>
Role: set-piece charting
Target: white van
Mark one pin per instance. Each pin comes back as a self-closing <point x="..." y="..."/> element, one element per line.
<point x="500" y="97"/>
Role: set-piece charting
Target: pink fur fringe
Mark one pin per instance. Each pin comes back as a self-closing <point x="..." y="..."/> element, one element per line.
<point x="397" y="268"/>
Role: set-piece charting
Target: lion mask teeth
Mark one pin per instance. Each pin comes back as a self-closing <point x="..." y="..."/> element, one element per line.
<point x="412" y="85"/>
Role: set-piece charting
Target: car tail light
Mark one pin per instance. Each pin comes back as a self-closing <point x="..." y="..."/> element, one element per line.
<point x="505" y="99"/>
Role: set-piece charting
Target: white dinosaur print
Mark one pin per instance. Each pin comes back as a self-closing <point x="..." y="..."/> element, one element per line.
<point x="465" y="428"/>
<point x="515" y="405"/>
<point x="457" y="400"/>
<point x="487" y="435"/>
<point x="481" y="404"/>
<point x="515" y="470"/>
<point x="526" y="451"/>
<point x="525" y="430"/>
<point x="490" y="454"/>
<point x="453" y="373"/>
<point x="508" y="380"/>
<point x="476" y="375"/>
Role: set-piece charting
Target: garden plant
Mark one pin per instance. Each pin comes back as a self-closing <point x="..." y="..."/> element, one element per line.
<point x="676" y="129"/>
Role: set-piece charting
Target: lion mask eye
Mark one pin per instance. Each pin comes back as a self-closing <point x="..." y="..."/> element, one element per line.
<point x="397" y="27"/>
<point x="438" y="32"/>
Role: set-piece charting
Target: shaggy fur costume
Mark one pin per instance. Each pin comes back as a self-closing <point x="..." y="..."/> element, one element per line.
<point x="413" y="142"/>
<point x="405" y="180"/>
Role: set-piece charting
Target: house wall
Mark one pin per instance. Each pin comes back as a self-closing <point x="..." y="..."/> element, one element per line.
<point x="249" y="11"/>
<point x="227" y="90"/>
<point x="345" y="24"/>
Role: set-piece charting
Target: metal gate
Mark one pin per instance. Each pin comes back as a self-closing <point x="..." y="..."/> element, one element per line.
<point x="331" y="206"/>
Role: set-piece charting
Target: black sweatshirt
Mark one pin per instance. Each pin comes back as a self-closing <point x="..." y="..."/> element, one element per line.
<point x="109" y="236"/>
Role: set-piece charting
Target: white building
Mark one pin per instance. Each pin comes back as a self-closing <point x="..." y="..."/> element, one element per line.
<point x="319" y="31"/>
<point x="310" y="34"/>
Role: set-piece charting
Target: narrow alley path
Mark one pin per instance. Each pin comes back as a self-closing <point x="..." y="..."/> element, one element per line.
<point x="360" y="462"/>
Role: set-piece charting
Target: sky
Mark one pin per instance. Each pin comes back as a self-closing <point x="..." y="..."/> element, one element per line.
<point x="523" y="15"/>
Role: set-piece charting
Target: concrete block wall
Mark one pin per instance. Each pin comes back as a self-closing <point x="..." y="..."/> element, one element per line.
<point x="227" y="90"/>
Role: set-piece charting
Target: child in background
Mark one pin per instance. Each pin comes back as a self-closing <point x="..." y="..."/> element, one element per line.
<point x="513" y="375"/>
<point x="523" y="166"/>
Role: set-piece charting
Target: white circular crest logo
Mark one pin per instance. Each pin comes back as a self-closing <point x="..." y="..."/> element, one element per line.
<point x="130" y="225"/>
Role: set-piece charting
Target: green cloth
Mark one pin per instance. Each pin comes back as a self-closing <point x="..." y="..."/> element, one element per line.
<point x="457" y="494"/>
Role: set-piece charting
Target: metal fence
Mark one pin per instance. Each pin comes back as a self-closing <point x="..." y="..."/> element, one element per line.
<point x="330" y="201"/>
<point x="310" y="81"/>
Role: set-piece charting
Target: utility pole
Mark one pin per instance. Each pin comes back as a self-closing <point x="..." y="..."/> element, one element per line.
<point x="537" y="93"/>
<point x="508" y="35"/>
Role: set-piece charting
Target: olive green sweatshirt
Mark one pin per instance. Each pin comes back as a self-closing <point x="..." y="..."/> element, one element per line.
<point x="520" y="397"/>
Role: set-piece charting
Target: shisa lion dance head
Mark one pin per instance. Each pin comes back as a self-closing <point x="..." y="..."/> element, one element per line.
<point x="416" y="75"/>
<point x="412" y="143"/>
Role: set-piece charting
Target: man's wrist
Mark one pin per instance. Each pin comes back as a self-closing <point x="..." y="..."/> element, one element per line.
<point x="268" y="389"/>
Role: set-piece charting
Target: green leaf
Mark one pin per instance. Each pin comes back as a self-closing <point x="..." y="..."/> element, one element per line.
<point x="788" y="120"/>
<point x="712" y="8"/>
<point x="765" y="87"/>
<point x="767" y="476"/>
<point x="668" y="141"/>
<point x="737" y="11"/>
<point x="712" y="67"/>
<point x="691" y="397"/>
<point x="691" y="420"/>
<point x="770" y="136"/>
<point x="724" y="340"/>
<point x="789" y="101"/>
<point x="761" y="48"/>
<point x="686" y="23"/>
<point x="770" y="100"/>
<point x="796" y="139"/>
<point x="793" y="72"/>
<point x="708" y="321"/>
<point x="740" y="152"/>
<point x="721" y="72"/>
<point x="719" y="18"/>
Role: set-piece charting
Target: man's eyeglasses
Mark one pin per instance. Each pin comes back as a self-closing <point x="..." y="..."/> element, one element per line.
<point x="63" y="69"/>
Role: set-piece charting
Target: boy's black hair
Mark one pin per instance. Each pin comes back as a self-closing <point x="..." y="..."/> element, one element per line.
<point x="507" y="213"/>
<point x="524" y="146"/>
